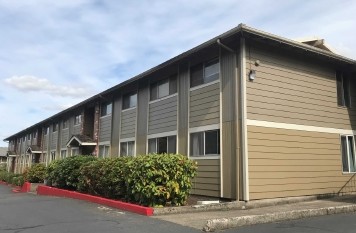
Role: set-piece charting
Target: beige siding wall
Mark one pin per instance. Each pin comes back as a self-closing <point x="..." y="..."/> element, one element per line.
<point x="163" y="116"/>
<point x="294" y="90"/>
<point x="207" y="181"/>
<point x="128" y="123"/>
<point x="286" y="162"/>
<point x="204" y="106"/>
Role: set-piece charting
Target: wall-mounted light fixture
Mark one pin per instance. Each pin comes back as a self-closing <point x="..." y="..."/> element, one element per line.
<point x="252" y="75"/>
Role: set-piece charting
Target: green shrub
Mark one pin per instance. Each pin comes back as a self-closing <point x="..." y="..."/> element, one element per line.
<point x="17" y="179"/>
<point x="104" y="177"/>
<point x="159" y="179"/>
<point x="36" y="173"/>
<point x="64" y="173"/>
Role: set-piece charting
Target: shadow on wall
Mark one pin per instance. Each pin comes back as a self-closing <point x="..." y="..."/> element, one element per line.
<point x="349" y="187"/>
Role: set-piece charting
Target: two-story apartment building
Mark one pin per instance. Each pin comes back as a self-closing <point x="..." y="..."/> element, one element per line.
<point x="263" y="116"/>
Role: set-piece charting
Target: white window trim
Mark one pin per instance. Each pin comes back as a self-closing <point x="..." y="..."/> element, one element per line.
<point x="127" y="139"/>
<point x="204" y="85"/>
<point x="73" y="148"/>
<point x="160" y="135"/>
<point x="163" y="98"/>
<point x="203" y="129"/>
<point x="347" y="149"/>
<point x="104" y="143"/>
<point x="128" y="109"/>
<point x="107" y="115"/>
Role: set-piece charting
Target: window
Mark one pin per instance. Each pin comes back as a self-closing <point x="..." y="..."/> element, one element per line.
<point x="204" y="73"/>
<point x="348" y="154"/>
<point x="78" y="119"/>
<point x="46" y="130"/>
<point x="65" y="124"/>
<point x="63" y="154"/>
<point x="205" y="143"/>
<point x="343" y="89"/>
<point x="35" y="135"/>
<point x="106" y="109"/>
<point x="55" y="127"/>
<point x="75" y="151"/>
<point x="127" y="148"/>
<point x="162" y="145"/>
<point x="129" y="101"/>
<point x="104" y="151"/>
<point x="28" y="136"/>
<point x="164" y="88"/>
<point x="53" y="156"/>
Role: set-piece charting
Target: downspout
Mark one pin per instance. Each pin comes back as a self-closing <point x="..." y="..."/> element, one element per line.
<point x="245" y="173"/>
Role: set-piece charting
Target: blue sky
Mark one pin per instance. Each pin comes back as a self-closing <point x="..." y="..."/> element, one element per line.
<point x="53" y="54"/>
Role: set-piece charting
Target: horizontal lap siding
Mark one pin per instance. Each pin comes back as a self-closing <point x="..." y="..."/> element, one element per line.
<point x="64" y="137"/>
<point x="296" y="91"/>
<point x="204" y="106"/>
<point x="207" y="181"/>
<point x="54" y="140"/>
<point x="105" y="129"/>
<point x="163" y="116"/>
<point x="292" y="163"/>
<point x="76" y="129"/>
<point x="128" y="123"/>
<point x="45" y="142"/>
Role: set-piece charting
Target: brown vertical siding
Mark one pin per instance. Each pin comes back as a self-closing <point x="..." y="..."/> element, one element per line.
<point x="142" y="115"/>
<point x="293" y="163"/>
<point x="115" y="132"/>
<point x="183" y="95"/>
<point x="288" y="89"/>
<point x="228" y="130"/>
<point x="207" y="181"/>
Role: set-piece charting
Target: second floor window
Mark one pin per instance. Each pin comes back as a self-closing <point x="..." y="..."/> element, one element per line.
<point x="204" y="73"/>
<point x="46" y="130"/>
<point x="164" y="88"/>
<point x="65" y="124"/>
<point x="78" y="119"/>
<point x="106" y="109"/>
<point x="55" y="127"/>
<point x="129" y="101"/>
<point x="343" y="89"/>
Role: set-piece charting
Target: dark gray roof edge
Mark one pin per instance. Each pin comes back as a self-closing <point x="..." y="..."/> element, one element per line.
<point x="240" y="28"/>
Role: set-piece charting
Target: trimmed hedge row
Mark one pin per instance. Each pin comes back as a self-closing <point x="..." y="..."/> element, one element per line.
<point x="150" y="180"/>
<point x="11" y="178"/>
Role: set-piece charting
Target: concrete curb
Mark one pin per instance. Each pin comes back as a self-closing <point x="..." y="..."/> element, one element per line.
<point x="234" y="205"/>
<point x="226" y="223"/>
<point x="51" y="191"/>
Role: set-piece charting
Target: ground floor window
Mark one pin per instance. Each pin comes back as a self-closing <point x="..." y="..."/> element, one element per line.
<point x="127" y="148"/>
<point x="63" y="154"/>
<point x="104" y="151"/>
<point x="206" y="143"/>
<point x="74" y="151"/>
<point x="53" y="156"/>
<point x="348" y="153"/>
<point x="162" y="145"/>
<point x="44" y="157"/>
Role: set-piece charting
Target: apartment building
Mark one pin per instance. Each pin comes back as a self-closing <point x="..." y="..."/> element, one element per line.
<point x="263" y="116"/>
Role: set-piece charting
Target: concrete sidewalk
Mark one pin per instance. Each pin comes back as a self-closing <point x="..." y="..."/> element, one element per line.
<point x="224" y="219"/>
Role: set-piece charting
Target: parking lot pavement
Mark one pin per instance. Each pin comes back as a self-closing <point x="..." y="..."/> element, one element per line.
<point x="27" y="213"/>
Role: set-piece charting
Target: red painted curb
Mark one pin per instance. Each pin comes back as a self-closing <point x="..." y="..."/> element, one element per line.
<point x="26" y="187"/>
<point x="3" y="182"/>
<point x="50" y="191"/>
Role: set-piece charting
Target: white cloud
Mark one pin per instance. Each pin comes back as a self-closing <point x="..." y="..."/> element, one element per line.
<point x="28" y="83"/>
